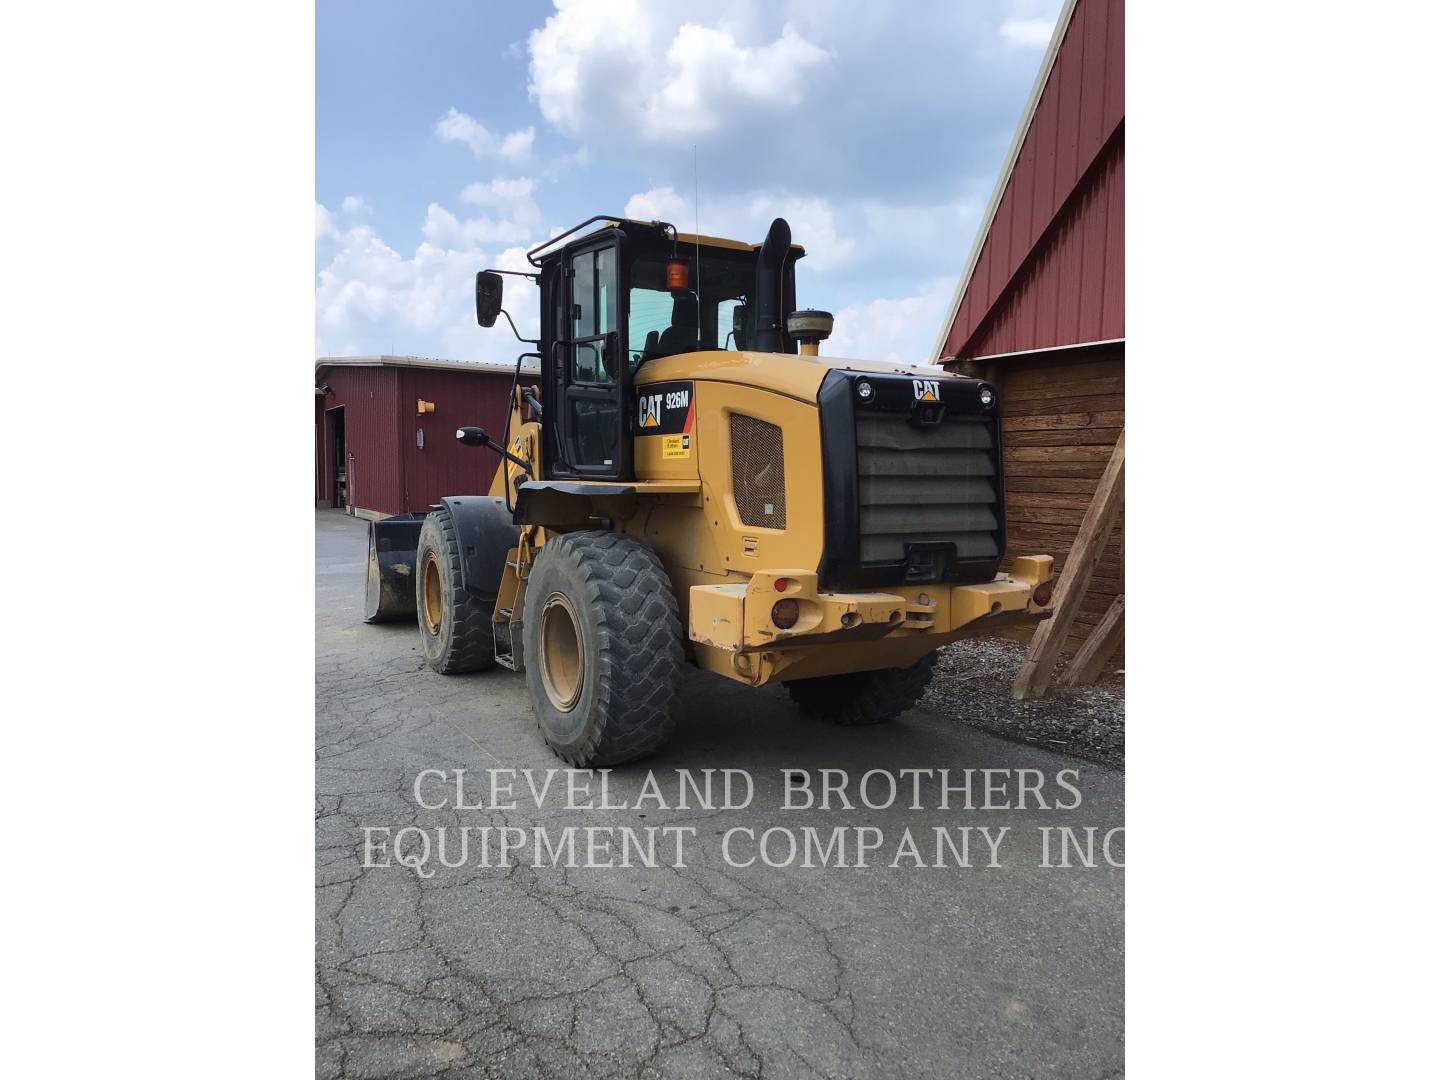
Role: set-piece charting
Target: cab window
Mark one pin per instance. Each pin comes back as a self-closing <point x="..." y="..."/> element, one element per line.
<point x="593" y="315"/>
<point x="663" y="322"/>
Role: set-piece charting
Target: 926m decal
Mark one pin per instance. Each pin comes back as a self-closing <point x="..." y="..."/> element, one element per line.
<point x="665" y="408"/>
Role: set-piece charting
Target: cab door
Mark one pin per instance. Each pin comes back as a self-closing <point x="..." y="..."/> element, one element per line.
<point x="589" y="371"/>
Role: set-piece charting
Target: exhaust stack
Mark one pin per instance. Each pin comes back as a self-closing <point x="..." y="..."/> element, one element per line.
<point x="769" y="283"/>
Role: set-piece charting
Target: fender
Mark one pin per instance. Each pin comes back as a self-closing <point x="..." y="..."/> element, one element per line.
<point x="564" y="502"/>
<point x="486" y="535"/>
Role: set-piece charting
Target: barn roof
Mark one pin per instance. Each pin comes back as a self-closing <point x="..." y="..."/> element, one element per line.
<point x="471" y="366"/>
<point x="1047" y="266"/>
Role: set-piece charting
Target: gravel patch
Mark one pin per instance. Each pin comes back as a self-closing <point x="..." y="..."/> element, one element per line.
<point x="972" y="685"/>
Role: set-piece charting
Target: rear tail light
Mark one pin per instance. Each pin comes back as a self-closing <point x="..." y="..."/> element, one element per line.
<point x="785" y="613"/>
<point x="1042" y="592"/>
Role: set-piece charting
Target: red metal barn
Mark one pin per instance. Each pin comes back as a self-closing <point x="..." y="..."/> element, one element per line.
<point x="377" y="453"/>
<point x="1040" y="308"/>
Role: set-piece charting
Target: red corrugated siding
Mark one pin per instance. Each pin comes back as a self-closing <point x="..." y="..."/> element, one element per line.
<point x="389" y="472"/>
<point x="1051" y="269"/>
<point x="323" y="493"/>
<point x="368" y="395"/>
<point x="443" y="466"/>
<point x="1073" y="288"/>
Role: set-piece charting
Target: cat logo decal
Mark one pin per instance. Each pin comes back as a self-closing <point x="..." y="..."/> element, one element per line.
<point x="665" y="409"/>
<point x="926" y="389"/>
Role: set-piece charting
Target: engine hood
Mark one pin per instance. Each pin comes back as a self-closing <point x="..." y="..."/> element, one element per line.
<point x="784" y="373"/>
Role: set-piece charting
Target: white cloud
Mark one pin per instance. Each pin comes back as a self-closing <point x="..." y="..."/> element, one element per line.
<point x="1030" y="33"/>
<point x="513" y="198"/>
<point x="710" y="78"/>
<point x="901" y="329"/>
<point x="354" y="205"/>
<point x="324" y="223"/>
<point x="456" y="126"/>
<point x="657" y="204"/>
<point x="516" y="146"/>
<point x="812" y="226"/>
<point x="374" y="299"/>
<point x="835" y="233"/>
<point x="642" y="70"/>
<point x="443" y="227"/>
<point x="746" y="217"/>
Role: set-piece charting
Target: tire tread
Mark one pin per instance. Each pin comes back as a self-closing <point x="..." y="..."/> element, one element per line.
<point x="640" y="652"/>
<point x="472" y="642"/>
<point x="863" y="697"/>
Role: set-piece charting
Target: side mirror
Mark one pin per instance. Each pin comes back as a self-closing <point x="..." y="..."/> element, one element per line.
<point x="489" y="289"/>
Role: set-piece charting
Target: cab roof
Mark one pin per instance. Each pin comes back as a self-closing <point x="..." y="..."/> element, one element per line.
<point x="701" y="239"/>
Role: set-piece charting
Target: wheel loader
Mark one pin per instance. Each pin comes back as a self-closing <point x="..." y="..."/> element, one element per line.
<point x="692" y="482"/>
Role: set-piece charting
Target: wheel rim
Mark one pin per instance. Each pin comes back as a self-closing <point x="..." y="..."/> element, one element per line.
<point x="562" y="660"/>
<point x="434" y="594"/>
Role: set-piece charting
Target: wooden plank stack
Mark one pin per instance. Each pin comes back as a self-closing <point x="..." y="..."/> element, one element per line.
<point x="1061" y="414"/>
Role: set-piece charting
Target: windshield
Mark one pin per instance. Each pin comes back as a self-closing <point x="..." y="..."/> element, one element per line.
<point x="711" y="314"/>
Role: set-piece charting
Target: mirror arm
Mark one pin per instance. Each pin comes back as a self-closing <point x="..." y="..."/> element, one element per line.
<point x="474" y="436"/>
<point x="525" y="340"/>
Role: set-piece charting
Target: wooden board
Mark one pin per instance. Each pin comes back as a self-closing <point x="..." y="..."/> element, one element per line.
<point x="1060" y="418"/>
<point x="1064" y="421"/>
<point x="1099" y="647"/>
<point x="1075" y="403"/>
<point x="1090" y="541"/>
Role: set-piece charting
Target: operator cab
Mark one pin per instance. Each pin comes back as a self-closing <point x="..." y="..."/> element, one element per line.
<point x="616" y="297"/>
<point x="703" y="305"/>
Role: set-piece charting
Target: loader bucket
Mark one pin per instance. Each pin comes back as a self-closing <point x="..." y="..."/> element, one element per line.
<point x="390" y="571"/>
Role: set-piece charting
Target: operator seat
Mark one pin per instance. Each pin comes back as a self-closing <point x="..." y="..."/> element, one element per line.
<point x="683" y="333"/>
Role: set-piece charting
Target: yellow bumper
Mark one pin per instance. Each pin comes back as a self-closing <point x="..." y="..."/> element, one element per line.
<point x="735" y="631"/>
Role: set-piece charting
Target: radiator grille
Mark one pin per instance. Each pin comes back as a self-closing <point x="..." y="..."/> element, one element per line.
<point x="926" y="484"/>
<point x="757" y="469"/>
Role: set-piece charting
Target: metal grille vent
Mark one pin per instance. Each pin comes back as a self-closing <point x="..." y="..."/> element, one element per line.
<point x="922" y="485"/>
<point x="757" y="470"/>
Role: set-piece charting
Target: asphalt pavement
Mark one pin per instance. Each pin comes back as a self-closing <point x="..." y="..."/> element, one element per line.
<point x="713" y="968"/>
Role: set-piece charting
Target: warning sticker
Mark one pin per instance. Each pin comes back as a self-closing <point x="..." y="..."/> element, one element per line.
<point x="675" y="446"/>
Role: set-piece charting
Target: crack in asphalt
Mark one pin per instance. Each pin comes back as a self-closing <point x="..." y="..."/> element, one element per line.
<point x="707" y="970"/>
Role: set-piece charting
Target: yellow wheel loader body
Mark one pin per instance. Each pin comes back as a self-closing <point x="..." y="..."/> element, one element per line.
<point x="691" y="480"/>
<point x="683" y="504"/>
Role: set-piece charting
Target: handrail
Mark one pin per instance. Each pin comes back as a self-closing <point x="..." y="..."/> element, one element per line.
<point x="530" y="255"/>
<point x="510" y="408"/>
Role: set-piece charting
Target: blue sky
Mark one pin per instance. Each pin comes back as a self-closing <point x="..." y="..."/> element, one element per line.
<point x="451" y="136"/>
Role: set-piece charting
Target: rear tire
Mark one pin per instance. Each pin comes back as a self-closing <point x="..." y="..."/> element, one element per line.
<point x="863" y="697"/>
<point x="602" y="648"/>
<point x="456" y="634"/>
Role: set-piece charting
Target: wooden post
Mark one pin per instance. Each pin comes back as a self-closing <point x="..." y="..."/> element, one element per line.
<point x="1045" y="646"/>
<point x="1085" y="668"/>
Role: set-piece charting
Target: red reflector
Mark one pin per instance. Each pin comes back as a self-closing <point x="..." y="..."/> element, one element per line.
<point x="1043" y="591"/>
<point x="781" y="584"/>
<point x="785" y="613"/>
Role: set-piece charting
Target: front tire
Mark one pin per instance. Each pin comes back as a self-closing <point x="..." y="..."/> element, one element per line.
<point x="603" y="650"/>
<point x="863" y="697"/>
<point x="456" y="634"/>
